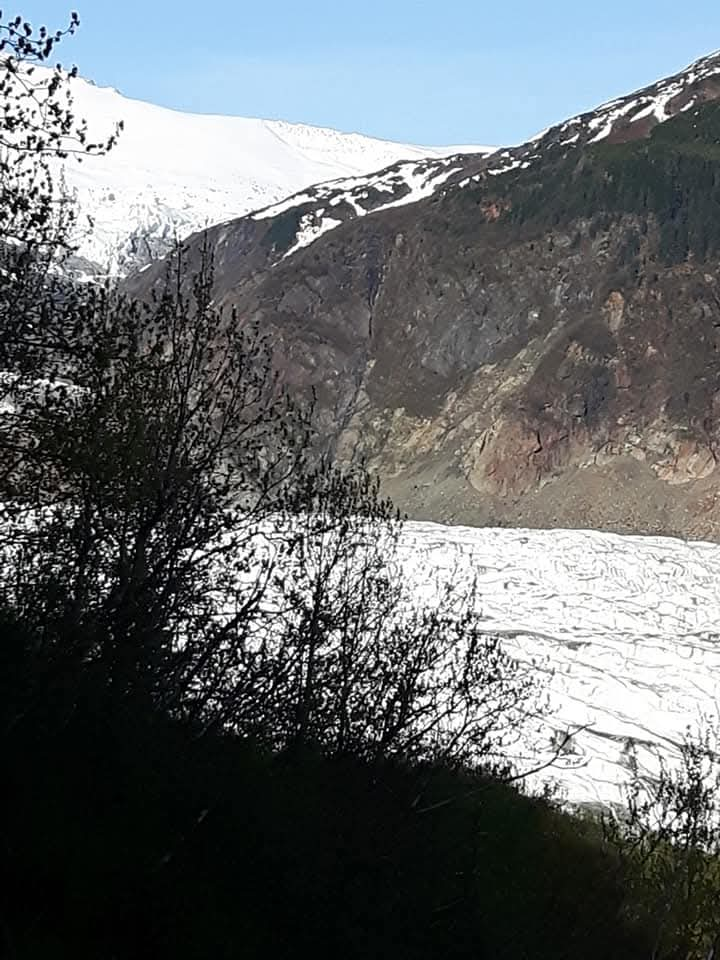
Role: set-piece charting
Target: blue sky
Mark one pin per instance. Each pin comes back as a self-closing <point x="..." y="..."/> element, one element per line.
<point x="450" y="71"/>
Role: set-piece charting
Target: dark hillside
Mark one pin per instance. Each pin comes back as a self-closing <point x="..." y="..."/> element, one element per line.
<point x="536" y="343"/>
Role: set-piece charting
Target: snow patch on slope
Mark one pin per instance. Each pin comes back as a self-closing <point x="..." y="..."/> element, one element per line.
<point x="652" y="101"/>
<point x="630" y="626"/>
<point x="399" y="185"/>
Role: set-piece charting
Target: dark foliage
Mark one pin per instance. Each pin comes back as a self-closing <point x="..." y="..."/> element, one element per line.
<point x="125" y="835"/>
<point x="284" y="229"/>
<point x="672" y="178"/>
<point x="668" y="839"/>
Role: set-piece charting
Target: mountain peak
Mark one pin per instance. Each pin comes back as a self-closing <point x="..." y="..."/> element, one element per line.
<point x="173" y="173"/>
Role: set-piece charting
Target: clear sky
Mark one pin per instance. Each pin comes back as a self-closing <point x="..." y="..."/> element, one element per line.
<point x="446" y="72"/>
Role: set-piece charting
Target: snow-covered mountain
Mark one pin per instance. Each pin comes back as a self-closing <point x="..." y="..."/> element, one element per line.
<point x="325" y="206"/>
<point x="175" y="173"/>
<point x="625" y="631"/>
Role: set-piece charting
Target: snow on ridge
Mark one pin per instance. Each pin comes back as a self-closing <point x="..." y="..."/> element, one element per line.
<point x="174" y="173"/>
<point x="630" y="625"/>
<point x="403" y="183"/>
<point x="597" y="125"/>
<point x="650" y="101"/>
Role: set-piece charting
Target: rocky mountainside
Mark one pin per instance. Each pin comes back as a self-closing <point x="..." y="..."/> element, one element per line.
<point x="172" y="173"/>
<point x="527" y="338"/>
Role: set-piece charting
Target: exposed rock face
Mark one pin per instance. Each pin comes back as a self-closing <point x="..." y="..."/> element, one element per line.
<point x="551" y="368"/>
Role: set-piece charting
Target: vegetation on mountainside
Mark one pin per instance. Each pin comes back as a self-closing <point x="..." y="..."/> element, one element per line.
<point x="284" y="229"/>
<point x="226" y="727"/>
<point x="671" y="178"/>
<point x="668" y="840"/>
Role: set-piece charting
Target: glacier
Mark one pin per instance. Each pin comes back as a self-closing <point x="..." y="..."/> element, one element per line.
<point x="624" y="632"/>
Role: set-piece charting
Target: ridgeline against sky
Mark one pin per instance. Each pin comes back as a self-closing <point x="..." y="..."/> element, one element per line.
<point x="409" y="71"/>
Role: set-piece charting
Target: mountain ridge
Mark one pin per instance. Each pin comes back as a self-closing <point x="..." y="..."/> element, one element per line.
<point x="533" y="342"/>
<point x="172" y="173"/>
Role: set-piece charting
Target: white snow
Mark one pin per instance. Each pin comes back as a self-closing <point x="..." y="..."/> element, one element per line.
<point x="605" y="132"/>
<point x="629" y="625"/>
<point x="175" y="173"/>
<point x="312" y="227"/>
<point x="506" y="168"/>
<point x="653" y="102"/>
<point x="421" y="184"/>
<point x="404" y="183"/>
